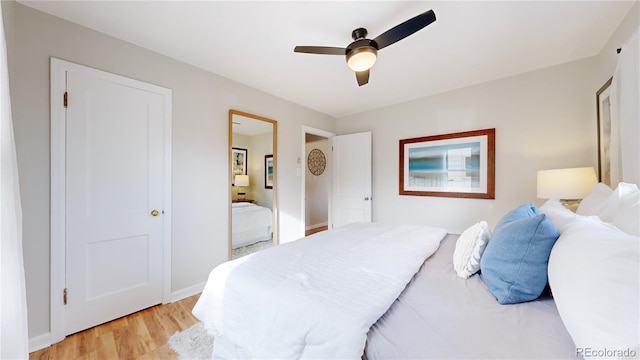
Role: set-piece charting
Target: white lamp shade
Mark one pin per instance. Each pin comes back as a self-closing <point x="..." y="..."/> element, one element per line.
<point x="569" y="184"/>
<point x="241" y="180"/>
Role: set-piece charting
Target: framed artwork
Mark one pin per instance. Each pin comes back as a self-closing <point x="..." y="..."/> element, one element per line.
<point x="239" y="161"/>
<point x="316" y="162"/>
<point x="458" y="165"/>
<point x="268" y="171"/>
<point x="603" y="105"/>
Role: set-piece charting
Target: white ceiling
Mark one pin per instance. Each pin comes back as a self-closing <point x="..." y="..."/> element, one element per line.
<point x="252" y="42"/>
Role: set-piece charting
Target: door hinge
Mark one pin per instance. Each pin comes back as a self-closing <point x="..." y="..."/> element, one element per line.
<point x="64" y="296"/>
<point x="65" y="98"/>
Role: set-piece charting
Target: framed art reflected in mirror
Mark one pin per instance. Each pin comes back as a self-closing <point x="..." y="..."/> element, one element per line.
<point x="268" y="171"/>
<point x="238" y="162"/>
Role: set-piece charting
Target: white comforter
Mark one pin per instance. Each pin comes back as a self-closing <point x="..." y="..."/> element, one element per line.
<point x="315" y="297"/>
<point x="247" y="216"/>
<point x="250" y="223"/>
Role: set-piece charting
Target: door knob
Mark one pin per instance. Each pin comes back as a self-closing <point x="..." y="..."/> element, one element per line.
<point x="154" y="213"/>
<point x="366" y="199"/>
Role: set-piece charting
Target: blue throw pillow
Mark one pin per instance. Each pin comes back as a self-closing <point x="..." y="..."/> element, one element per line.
<point x="514" y="263"/>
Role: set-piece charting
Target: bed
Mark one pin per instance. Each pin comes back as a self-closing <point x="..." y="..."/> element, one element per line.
<point x="378" y="291"/>
<point x="250" y="224"/>
<point x="440" y="316"/>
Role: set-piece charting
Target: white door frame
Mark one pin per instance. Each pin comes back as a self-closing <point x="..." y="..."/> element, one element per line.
<point x="328" y="135"/>
<point x="59" y="68"/>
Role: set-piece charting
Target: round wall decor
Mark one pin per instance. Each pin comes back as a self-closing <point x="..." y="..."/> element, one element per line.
<point x="316" y="162"/>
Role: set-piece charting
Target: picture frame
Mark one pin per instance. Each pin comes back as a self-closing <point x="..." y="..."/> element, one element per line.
<point x="268" y="171"/>
<point x="239" y="162"/>
<point x="603" y="108"/>
<point x="460" y="165"/>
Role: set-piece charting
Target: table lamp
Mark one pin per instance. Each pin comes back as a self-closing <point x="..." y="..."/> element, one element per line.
<point x="241" y="181"/>
<point x="567" y="185"/>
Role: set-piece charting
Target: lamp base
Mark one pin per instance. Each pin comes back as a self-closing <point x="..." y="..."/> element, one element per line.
<point x="570" y="204"/>
<point x="241" y="195"/>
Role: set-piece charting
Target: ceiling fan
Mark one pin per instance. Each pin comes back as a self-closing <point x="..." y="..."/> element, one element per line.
<point x="361" y="54"/>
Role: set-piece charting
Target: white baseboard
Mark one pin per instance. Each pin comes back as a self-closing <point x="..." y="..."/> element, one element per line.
<point x="311" y="227"/>
<point x="186" y="292"/>
<point x="39" y="342"/>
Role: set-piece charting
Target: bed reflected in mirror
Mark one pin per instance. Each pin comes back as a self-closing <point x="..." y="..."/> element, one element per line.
<point x="253" y="225"/>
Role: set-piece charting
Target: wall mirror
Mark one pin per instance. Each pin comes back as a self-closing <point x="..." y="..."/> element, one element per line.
<point x="253" y="181"/>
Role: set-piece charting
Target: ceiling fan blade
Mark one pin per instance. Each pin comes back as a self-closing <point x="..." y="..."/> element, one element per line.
<point x="323" y="50"/>
<point x="405" y="29"/>
<point x="362" y="77"/>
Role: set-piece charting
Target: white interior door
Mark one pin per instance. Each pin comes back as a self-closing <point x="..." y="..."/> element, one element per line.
<point x="114" y="197"/>
<point x="351" y="179"/>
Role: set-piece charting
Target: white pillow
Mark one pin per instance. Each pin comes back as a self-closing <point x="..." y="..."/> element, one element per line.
<point x="595" y="201"/>
<point x="611" y="206"/>
<point x="594" y="277"/>
<point x="559" y="215"/>
<point x="469" y="249"/>
<point x="627" y="217"/>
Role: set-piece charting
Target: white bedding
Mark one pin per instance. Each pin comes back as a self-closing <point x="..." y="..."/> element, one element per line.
<point x="315" y="297"/>
<point x="250" y="223"/>
<point x="441" y="316"/>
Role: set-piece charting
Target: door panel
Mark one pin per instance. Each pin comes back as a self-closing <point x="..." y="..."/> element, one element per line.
<point x="114" y="179"/>
<point x="351" y="178"/>
<point x="103" y="278"/>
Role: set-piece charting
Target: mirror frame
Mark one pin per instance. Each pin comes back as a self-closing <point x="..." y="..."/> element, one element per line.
<point x="274" y="209"/>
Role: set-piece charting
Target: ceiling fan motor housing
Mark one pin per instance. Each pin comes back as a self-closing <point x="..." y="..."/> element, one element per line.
<point x="363" y="48"/>
<point x="359" y="33"/>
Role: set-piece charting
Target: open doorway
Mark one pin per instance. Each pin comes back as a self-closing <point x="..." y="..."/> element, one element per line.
<point x="316" y="180"/>
<point x="316" y="184"/>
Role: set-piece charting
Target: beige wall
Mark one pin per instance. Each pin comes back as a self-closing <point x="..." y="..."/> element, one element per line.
<point x="201" y="102"/>
<point x="261" y="145"/>
<point x="544" y="119"/>
<point x="608" y="57"/>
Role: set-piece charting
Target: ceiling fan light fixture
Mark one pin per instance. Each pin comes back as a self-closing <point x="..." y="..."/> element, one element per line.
<point x="361" y="54"/>
<point x="362" y="58"/>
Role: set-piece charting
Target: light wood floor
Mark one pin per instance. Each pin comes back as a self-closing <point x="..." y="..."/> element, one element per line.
<point x="316" y="230"/>
<point x="142" y="335"/>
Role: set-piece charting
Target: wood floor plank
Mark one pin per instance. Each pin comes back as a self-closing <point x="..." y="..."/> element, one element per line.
<point x="44" y="354"/>
<point x="106" y="347"/>
<point x="86" y="341"/>
<point x="143" y="341"/>
<point x="69" y="348"/>
<point x="156" y="331"/>
<point x="142" y="335"/>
